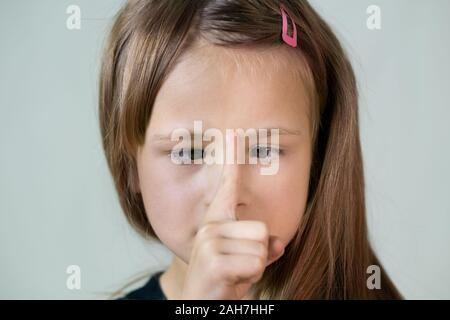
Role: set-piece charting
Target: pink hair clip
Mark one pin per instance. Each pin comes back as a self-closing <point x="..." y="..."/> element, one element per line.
<point x="290" y="40"/>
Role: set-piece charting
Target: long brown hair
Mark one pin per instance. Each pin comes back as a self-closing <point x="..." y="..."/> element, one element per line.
<point x="330" y="253"/>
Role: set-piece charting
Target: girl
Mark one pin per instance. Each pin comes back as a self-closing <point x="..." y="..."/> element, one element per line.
<point x="236" y="234"/>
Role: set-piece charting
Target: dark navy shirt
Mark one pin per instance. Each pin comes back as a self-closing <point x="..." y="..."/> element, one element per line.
<point x="150" y="291"/>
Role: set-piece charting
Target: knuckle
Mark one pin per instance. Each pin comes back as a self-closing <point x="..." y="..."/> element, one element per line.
<point x="215" y="265"/>
<point x="206" y="231"/>
<point x="256" y="265"/>
<point x="261" y="249"/>
<point x="220" y="271"/>
<point x="262" y="231"/>
<point x="261" y="264"/>
<point x="211" y="246"/>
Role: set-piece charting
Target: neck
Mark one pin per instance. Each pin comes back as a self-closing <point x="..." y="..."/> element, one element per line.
<point x="172" y="279"/>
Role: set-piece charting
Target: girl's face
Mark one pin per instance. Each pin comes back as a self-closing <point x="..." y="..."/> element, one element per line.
<point x="227" y="89"/>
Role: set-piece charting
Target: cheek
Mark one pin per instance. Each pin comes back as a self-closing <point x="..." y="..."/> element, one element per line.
<point x="283" y="198"/>
<point x="169" y="204"/>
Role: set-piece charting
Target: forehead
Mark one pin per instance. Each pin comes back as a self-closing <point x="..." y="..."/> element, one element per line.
<point x="234" y="88"/>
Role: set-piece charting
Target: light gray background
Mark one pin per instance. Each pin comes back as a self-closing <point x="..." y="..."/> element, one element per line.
<point x="57" y="202"/>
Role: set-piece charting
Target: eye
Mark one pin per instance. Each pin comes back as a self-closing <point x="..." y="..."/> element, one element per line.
<point x="265" y="152"/>
<point x="186" y="156"/>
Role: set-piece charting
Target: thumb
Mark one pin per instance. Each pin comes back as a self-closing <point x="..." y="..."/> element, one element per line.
<point x="223" y="204"/>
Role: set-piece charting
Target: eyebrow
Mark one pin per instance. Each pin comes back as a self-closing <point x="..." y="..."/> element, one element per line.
<point x="282" y="131"/>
